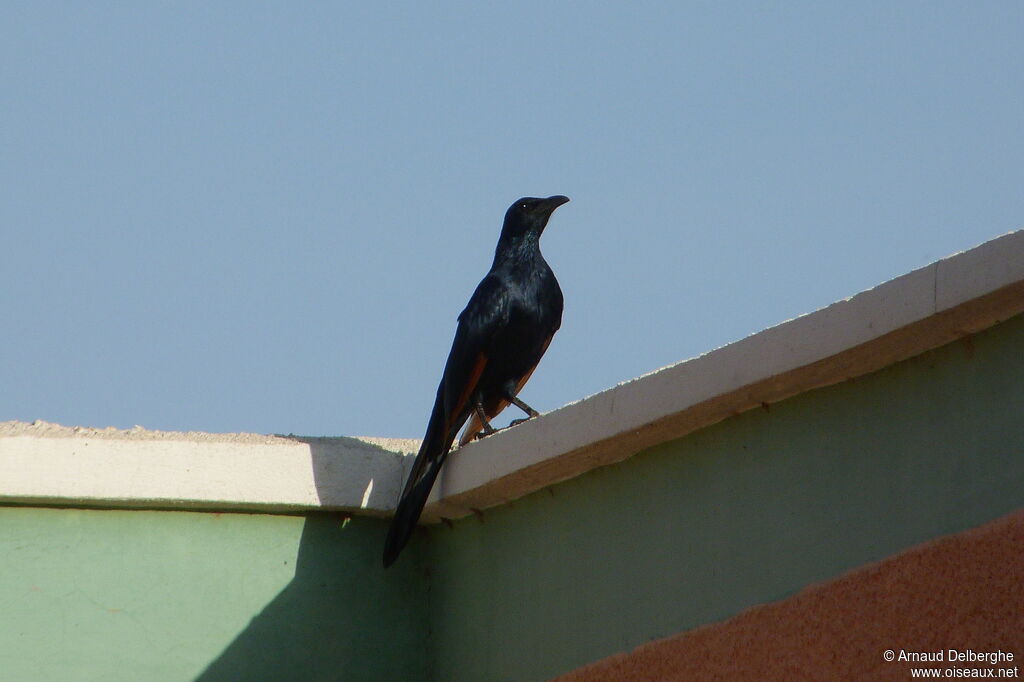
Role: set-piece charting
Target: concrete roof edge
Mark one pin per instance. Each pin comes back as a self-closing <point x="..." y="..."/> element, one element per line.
<point x="49" y="464"/>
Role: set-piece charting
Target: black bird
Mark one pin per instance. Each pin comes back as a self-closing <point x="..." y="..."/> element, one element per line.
<point x="502" y="334"/>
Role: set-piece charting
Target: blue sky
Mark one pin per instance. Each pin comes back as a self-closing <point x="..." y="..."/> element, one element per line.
<point x="266" y="217"/>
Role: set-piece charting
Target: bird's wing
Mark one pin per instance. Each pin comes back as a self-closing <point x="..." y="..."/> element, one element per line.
<point x="484" y="316"/>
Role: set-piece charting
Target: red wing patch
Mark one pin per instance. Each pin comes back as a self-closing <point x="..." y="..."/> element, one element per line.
<point x="494" y="409"/>
<point x="467" y="390"/>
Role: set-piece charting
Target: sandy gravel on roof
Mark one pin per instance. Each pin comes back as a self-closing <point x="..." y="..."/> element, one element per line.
<point x="42" y="429"/>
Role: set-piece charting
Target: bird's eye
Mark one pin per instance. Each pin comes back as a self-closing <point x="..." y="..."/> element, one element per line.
<point x="522" y="205"/>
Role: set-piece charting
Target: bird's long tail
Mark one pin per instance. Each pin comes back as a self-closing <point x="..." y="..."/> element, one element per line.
<point x="433" y="451"/>
<point x="408" y="512"/>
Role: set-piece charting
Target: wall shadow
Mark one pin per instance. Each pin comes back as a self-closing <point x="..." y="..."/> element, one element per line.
<point x="343" y="616"/>
<point x="344" y="470"/>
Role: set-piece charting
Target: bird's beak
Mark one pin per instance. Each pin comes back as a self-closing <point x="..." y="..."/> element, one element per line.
<point x="551" y="203"/>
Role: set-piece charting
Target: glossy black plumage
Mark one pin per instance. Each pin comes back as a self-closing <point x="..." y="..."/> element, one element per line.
<point x="501" y="336"/>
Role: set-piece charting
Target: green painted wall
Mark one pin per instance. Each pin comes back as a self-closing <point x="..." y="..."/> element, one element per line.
<point x="146" y="595"/>
<point x="747" y="511"/>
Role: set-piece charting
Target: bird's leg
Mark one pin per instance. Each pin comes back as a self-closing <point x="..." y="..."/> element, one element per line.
<point x="522" y="406"/>
<point x="488" y="429"/>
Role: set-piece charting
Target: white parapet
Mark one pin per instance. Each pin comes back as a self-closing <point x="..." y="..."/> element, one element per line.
<point x="44" y="463"/>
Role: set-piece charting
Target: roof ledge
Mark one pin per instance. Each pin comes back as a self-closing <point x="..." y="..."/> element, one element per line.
<point x="49" y="464"/>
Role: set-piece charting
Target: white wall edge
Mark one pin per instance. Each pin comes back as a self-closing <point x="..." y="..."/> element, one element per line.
<point x="46" y="464"/>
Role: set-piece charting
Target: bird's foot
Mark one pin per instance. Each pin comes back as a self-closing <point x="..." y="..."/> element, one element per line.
<point x="488" y="430"/>
<point x="516" y="422"/>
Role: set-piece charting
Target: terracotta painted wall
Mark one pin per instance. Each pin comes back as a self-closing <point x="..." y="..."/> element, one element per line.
<point x="963" y="593"/>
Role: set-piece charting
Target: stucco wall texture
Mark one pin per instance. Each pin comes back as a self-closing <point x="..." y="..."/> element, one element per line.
<point x="964" y="592"/>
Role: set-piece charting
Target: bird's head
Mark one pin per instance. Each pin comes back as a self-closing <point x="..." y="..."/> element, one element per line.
<point x="529" y="215"/>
